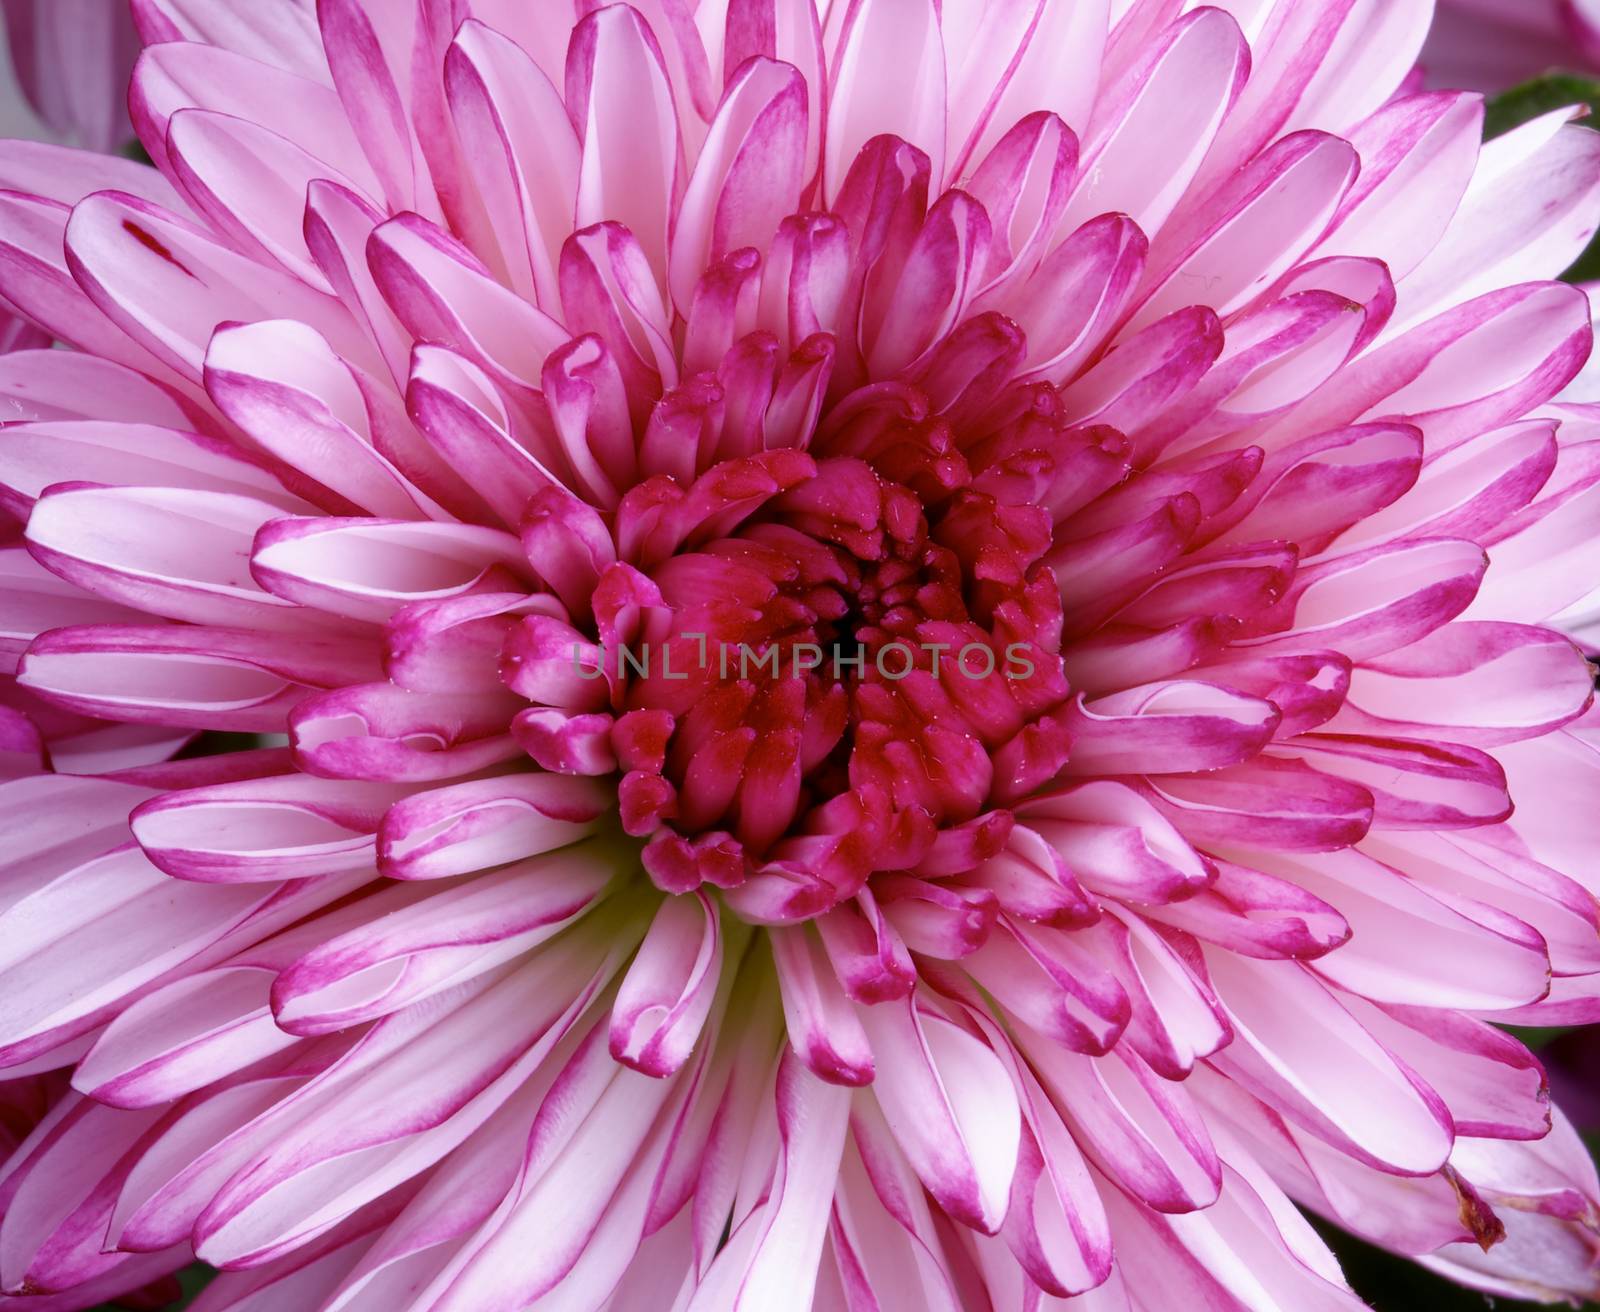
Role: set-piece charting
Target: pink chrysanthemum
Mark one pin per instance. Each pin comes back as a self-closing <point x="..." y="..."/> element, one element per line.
<point x="1150" y="424"/>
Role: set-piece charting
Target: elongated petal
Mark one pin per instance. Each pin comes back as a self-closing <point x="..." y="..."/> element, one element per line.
<point x="41" y="454"/>
<point x="263" y="829"/>
<point x="888" y="80"/>
<point x="442" y="294"/>
<point x="426" y="945"/>
<point x="199" y="677"/>
<point x="499" y="94"/>
<point x="370" y="568"/>
<point x="1145" y="1133"/>
<point x="771" y="1259"/>
<point x="749" y="173"/>
<point x="285" y="387"/>
<point x="197" y="569"/>
<point x="619" y="96"/>
<point x="1118" y="844"/>
<point x="168" y="283"/>
<point x="950" y="1106"/>
<point x="476" y="826"/>
<point x="1332" y="1079"/>
<point x="378" y="731"/>
<point x="666" y="994"/>
<point x="825" y="1030"/>
<point x="181" y="1037"/>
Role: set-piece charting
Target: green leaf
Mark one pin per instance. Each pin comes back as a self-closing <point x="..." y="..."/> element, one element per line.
<point x="1538" y="1036"/>
<point x="193" y="1278"/>
<point x="1521" y="104"/>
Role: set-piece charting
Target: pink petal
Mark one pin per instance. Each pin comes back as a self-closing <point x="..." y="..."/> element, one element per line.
<point x="748" y="176"/>
<point x="369" y="568"/>
<point x="887" y="78"/>
<point x="39" y="455"/>
<point x="168" y="284"/>
<point x="1262" y="221"/>
<point x="286" y="37"/>
<point x="1145" y="1133"/>
<point x="1521" y="682"/>
<point x="411" y="947"/>
<point x="825" y="1030"/>
<point x="196" y="567"/>
<point x="1556" y="187"/>
<point x="1269" y="802"/>
<point x="283" y="385"/>
<point x="251" y="830"/>
<point x="950" y="1106"/>
<point x="486" y="823"/>
<point x="1418" y="155"/>
<point x="1498" y="962"/>
<point x="498" y="94"/>
<point x="667" y="992"/>
<point x="771" y="1257"/>
<point x="1332" y="1076"/>
<point x="183" y="1037"/>
<point x="1146" y="143"/>
<point x="619" y="97"/>
<point x="1117" y="843"/>
<point x="69" y="385"/>
<point x="378" y="731"/>
<point x="198" y="677"/>
<point x="443" y="295"/>
<point x="259" y="208"/>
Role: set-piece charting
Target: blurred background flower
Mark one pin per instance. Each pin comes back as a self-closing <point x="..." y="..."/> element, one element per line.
<point x="72" y="60"/>
<point x="1489" y="45"/>
<point x="69" y="63"/>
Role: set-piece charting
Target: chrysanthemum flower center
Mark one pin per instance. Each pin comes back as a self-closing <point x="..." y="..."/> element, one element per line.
<point x="838" y="682"/>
